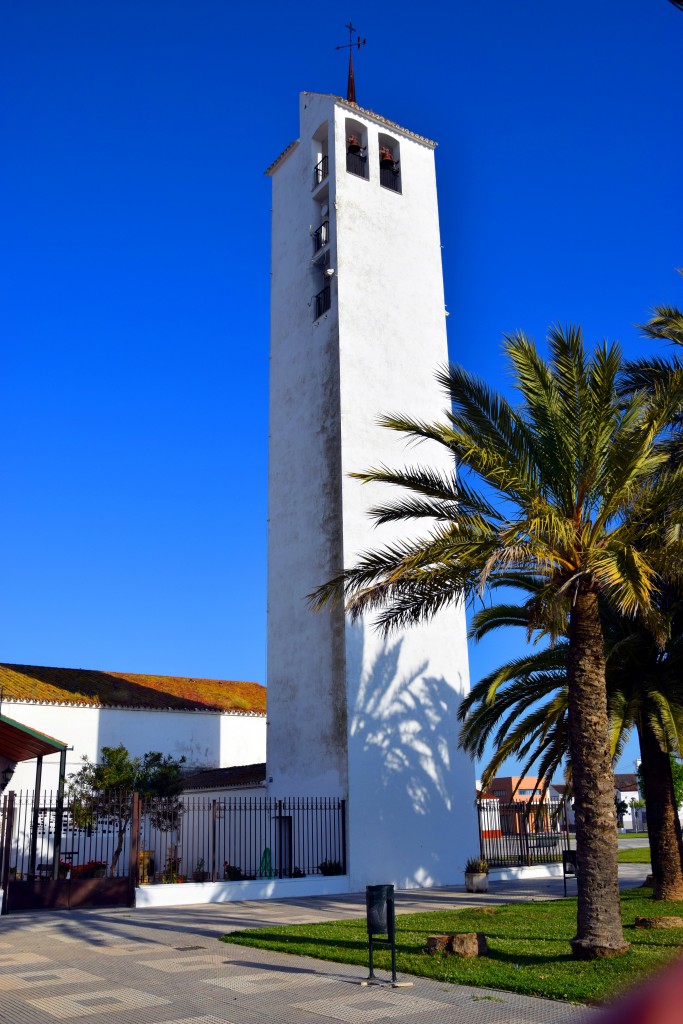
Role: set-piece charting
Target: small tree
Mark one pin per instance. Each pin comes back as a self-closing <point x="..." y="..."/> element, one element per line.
<point x="105" y="790"/>
<point x="621" y="809"/>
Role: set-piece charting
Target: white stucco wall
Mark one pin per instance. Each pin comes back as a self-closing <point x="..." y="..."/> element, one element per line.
<point x="205" y="739"/>
<point x="349" y="712"/>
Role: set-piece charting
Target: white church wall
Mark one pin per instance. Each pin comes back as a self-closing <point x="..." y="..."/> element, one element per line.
<point x="403" y="692"/>
<point x="307" y="721"/>
<point x="204" y="739"/>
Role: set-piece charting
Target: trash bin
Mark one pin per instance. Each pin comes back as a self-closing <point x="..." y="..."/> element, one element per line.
<point x="569" y="867"/>
<point x="379" y="902"/>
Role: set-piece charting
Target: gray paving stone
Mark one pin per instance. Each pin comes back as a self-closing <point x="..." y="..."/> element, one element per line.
<point x="122" y="966"/>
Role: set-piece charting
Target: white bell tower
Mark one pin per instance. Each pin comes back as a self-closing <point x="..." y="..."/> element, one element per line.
<point x="358" y="330"/>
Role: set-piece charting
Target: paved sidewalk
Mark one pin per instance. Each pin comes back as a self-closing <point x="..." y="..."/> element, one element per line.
<point x="166" y="966"/>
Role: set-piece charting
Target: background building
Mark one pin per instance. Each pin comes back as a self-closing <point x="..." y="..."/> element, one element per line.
<point x="210" y="722"/>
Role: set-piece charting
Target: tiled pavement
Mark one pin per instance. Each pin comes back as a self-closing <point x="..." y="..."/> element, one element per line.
<point x="167" y="966"/>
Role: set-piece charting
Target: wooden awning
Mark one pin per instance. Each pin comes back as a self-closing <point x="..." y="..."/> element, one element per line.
<point x="21" y="743"/>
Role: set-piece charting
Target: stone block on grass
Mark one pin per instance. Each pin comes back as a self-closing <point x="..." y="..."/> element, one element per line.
<point x="465" y="944"/>
<point x="659" y="922"/>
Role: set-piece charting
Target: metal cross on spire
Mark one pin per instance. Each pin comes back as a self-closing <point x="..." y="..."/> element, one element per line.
<point x="351" y="87"/>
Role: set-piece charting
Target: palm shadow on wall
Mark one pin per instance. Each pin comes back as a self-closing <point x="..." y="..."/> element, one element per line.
<point x="403" y="738"/>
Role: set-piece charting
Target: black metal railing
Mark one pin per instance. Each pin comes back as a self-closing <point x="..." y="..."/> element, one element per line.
<point x="321" y="236"/>
<point x="357" y="164"/>
<point x="322" y="301"/>
<point x="522" y="833"/>
<point x="173" y="839"/>
<point x="248" y="838"/>
<point x="49" y="838"/>
<point x="390" y="177"/>
<point x="320" y="171"/>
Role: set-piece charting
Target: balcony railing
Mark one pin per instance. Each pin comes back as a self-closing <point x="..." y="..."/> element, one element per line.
<point x="390" y="177"/>
<point x="357" y="164"/>
<point x="320" y="171"/>
<point x="322" y="236"/>
<point x="322" y="301"/>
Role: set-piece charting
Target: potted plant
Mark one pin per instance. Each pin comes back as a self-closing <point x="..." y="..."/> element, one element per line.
<point x="199" y="874"/>
<point x="477" y="875"/>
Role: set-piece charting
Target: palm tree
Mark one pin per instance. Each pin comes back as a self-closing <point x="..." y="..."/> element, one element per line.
<point x="557" y="477"/>
<point x="523" y="704"/>
<point x="651" y="374"/>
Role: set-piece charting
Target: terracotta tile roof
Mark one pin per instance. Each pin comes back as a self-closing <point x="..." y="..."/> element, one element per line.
<point x="123" y="689"/>
<point x="219" y="778"/>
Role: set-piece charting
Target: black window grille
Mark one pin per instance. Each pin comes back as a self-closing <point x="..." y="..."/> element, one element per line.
<point x="322" y="301"/>
<point x="390" y="177"/>
<point x="322" y="236"/>
<point x="357" y="164"/>
<point x="320" y="171"/>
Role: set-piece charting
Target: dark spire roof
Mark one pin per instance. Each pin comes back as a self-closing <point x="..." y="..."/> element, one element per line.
<point x="351" y="86"/>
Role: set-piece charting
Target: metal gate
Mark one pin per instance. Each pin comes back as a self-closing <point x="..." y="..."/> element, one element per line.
<point x="66" y="853"/>
<point x="522" y="833"/>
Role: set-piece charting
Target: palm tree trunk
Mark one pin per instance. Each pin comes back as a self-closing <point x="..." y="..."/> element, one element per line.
<point x="663" y="825"/>
<point x="598" y="926"/>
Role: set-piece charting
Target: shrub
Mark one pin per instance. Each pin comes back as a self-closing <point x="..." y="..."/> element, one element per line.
<point x="477" y="866"/>
<point x="330" y="867"/>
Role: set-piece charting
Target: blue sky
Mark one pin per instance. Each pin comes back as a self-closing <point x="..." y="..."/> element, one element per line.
<point x="135" y="270"/>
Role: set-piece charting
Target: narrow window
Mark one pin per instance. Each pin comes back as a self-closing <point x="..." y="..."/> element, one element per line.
<point x="389" y="163"/>
<point x="323" y="275"/>
<point x="356" y="138"/>
<point x="319" y="153"/>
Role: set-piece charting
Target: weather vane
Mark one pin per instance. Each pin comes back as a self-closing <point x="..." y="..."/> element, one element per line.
<point x="351" y="87"/>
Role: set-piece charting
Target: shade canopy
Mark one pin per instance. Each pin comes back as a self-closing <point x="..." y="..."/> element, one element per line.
<point x="21" y="743"/>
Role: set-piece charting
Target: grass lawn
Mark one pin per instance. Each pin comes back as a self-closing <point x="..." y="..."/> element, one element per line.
<point x="528" y="947"/>
<point x="634" y="835"/>
<point x="639" y="855"/>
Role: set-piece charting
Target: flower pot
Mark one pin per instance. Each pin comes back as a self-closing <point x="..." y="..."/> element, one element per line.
<point x="476" y="881"/>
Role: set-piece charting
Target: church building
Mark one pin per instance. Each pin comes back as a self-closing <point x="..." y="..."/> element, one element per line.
<point x="357" y="331"/>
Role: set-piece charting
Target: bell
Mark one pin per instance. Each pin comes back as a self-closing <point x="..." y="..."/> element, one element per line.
<point x="352" y="144"/>
<point x="386" y="158"/>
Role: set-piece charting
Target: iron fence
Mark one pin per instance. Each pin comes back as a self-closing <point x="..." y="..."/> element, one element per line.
<point x="182" y="838"/>
<point x="201" y="839"/>
<point x="522" y="832"/>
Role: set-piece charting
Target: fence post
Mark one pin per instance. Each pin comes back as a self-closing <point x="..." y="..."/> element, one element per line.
<point x="59" y="815"/>
<point x="213" y="841"/>
<point x="479" y="807"/>
<point x="34" y="820"/>
<point x="343" y="825"/>
<point x="6" y="838"/>
<point x="134" y="866"/>
<point x="279" y="839"/>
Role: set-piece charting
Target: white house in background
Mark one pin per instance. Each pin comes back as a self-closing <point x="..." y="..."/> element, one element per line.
<point x="626" y="788"/>
<point x="213" y="723"/>
<point x="358" y="329"/>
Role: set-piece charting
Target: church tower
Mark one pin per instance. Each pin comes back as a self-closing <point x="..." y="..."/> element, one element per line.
<point x="358" y="330"/>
